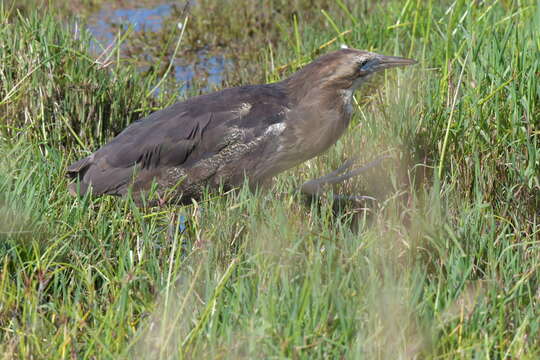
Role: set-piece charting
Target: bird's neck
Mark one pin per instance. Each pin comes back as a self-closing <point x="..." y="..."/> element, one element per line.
<point x="319" y="116"/>
<point x="306" y="88"/>
<point x="322" y="98"/>
<point x="298" y="89"/>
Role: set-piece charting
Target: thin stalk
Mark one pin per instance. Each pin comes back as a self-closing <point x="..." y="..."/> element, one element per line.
<point x="171" y="62"/>
<point x="447" y="132"/>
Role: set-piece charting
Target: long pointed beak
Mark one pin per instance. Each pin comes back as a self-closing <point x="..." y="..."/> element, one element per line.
<point x="386" y="62"/>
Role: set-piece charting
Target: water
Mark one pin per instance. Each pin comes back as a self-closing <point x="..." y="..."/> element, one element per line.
<point x="207" y="69"/>
<point x="142" y="19"/>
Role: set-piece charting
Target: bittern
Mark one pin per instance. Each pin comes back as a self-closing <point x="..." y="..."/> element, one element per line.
<point x="219" y="139"/>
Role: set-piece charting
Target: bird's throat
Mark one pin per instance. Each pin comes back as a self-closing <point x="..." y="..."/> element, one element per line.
<point x="346" y="98"/>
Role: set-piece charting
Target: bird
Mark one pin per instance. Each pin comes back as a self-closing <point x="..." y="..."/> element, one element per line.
<point x="250" y="133"/>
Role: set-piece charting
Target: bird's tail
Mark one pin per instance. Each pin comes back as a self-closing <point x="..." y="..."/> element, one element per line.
<point x="76" y="172"/>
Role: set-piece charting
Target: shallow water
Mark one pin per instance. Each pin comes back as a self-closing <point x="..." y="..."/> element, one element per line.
<point x="142" y="19"/>
<point x="213" y="68"/>
<point x="104" y="24"/>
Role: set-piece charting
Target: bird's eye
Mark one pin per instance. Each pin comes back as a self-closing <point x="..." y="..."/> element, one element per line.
<point x="362" y="64"/>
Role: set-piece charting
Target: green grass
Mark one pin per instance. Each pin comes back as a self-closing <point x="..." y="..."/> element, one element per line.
<point x="445" y="265"/>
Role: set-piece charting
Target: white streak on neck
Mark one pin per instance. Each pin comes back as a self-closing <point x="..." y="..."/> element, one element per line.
<point x="347" y="94"/>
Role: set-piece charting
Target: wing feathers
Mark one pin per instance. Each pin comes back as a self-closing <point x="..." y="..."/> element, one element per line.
<point x="174" y="136"/>
<point x="112" y="168"/>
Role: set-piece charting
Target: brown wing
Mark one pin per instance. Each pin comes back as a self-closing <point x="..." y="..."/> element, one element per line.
<point x="143" y="147"/>
<point x="167" y="138"/>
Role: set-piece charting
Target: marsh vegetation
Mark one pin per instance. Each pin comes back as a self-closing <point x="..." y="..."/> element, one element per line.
<point x="444" y="265"/>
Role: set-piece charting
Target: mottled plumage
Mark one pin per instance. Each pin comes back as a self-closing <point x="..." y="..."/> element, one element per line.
<point x="218" y="139"/>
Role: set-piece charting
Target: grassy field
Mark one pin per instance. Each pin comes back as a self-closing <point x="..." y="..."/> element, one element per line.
<point x="444" y="265"/>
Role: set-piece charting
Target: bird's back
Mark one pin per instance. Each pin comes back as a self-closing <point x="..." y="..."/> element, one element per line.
<point x="206" y="140"/>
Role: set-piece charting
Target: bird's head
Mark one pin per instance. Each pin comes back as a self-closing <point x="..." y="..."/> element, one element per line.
<point x="345" y="69"/>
